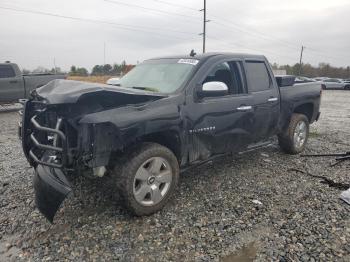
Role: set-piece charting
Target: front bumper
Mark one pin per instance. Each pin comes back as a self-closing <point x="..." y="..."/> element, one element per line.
<point x="51" y="188"/>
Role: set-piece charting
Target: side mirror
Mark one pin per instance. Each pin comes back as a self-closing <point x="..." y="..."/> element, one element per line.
<point x="210" y="89"/>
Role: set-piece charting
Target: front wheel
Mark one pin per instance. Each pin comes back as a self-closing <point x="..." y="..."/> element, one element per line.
<point x="147" y="178"/>
<point x="293" y="140"/>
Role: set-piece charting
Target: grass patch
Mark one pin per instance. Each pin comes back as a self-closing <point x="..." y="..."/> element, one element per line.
<point x="92" y="79"/>
<point x="314" y="134"/>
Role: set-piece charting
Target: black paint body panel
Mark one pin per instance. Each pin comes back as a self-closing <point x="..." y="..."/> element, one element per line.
<point x="102" y="121"/>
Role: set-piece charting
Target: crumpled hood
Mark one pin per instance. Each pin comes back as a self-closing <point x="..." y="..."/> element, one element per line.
<point x="68" y="91"/>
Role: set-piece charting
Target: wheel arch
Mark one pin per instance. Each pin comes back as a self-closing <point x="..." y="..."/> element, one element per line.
<point x="306" y="109"/>
<point x="170" y="139"/>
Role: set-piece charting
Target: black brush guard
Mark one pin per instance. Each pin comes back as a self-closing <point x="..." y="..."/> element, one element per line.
<point x="50" y="182"/>
<point x="60" y="150"/>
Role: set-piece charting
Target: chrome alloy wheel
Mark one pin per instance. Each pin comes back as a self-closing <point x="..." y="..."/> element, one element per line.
<point x="152" y="181"/>
<point x="300" y="134"/>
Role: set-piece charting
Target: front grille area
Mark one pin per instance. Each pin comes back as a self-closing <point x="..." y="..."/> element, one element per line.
<point x="43" y="136"/>
<point x="49" y="141"/>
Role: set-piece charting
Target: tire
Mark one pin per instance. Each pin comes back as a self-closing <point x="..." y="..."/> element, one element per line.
<point x="347" y="87"/>
<point x="294" y="139"/>
<point x="142" y="188"/>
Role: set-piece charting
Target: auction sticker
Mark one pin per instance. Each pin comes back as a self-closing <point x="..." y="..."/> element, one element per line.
<point x="188" y="61"/>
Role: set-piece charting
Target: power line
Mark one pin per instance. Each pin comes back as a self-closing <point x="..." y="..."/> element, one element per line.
<point x="231" y="23"/>
<point x="325" y="54"/>
<point x="255" y="33"/>
<point x="228" y="44"/>
<point x="176" y="5"/>
<point x="151" y="9"/>
<point x="117" y="25"/>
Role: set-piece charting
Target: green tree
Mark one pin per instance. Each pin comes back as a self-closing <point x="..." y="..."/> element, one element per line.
<point x="97" y="70"/>
<point x="78" y="71"/>
<point x="107" y="69"/>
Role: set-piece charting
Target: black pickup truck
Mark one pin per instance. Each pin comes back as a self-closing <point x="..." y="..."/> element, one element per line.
<point x="166" y="115"/>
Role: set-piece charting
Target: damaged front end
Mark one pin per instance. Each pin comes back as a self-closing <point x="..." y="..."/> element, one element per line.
<point x="68" y="129"/>
<point x="46" y="148"/>
<point x="56" y="145"/>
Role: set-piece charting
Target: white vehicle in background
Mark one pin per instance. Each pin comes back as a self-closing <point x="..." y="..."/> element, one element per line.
<point x="303" y="79"/>
<point x="114" y="81"/>
<point x="320" y="78"/>
<point x="335" y="83"/>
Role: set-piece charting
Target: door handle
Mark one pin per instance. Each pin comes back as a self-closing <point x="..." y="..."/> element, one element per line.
<point x="13" y="82"/>
<point x="244" y="108"/>
<point x="272" y="99"/>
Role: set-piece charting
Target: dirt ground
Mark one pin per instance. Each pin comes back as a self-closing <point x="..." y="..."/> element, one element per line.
<point x="212" y="216"/>
<point x="93" y="79"/>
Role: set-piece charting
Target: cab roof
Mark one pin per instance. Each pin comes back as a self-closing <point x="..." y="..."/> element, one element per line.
<point x="212" y="54"/>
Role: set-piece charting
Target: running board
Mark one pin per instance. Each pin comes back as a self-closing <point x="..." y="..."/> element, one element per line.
<point x="254" y="147"/>
<point x="250" y="148"/>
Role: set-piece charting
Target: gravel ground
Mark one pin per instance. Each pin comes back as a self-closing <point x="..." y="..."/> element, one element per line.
<point x="211" y="218"/>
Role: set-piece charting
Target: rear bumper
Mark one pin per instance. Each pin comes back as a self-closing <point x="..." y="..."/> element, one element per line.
<point x="51" y="188"/>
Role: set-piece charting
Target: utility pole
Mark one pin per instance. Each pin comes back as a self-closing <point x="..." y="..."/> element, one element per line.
<point x="104" y="53"/>
<point x="54" y="64"/>
<point x="301" y="59"/>
<point x="205" y="21"/>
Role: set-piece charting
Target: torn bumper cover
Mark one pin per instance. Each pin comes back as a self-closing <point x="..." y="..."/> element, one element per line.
<point x="51" y="188"/>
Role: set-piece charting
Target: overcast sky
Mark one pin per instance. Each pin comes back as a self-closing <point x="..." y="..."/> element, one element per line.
<point x="275" y="28"/>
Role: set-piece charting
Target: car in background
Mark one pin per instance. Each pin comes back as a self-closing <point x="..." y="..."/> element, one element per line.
<point x="335" y="83"/>
<point x="320" y="78"/>
<point x="114" y="81"/>
<point x="304" y="79"/>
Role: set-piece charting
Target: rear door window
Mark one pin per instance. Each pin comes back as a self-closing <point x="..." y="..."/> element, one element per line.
<point x="6" y="71"/>
<point x="258" y="76"/>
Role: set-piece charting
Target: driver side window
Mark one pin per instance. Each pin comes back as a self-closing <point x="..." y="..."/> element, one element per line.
<point x="228" y="73"/>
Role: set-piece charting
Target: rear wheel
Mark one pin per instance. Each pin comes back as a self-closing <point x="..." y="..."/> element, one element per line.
<point x="147" y="179"/>
<point x="347" y="87"/>
<point x="293" y="140"/>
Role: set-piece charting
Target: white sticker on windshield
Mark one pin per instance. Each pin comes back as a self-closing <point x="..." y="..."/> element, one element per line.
<point x="188" y="61"/>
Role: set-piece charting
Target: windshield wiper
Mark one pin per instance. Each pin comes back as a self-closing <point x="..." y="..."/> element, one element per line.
<point x="145" y="88"/>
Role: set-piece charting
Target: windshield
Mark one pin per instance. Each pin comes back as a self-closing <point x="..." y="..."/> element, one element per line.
<point x="163" y="75"/>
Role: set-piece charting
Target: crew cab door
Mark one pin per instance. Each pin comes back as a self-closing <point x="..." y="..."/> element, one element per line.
<point x="11" y="85"/>
<point x="266" y="98"/>
<point x="220" y="123"/>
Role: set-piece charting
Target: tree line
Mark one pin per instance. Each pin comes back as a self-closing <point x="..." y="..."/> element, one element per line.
<point x="323" y="69"/>
<point x="97" y="70"/>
